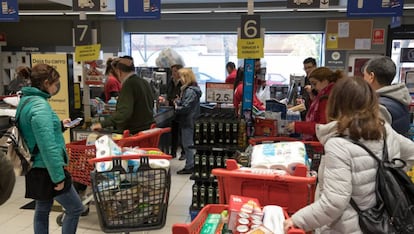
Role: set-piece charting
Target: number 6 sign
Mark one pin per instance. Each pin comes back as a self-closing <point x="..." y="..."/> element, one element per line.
<point x="250" y="26"/>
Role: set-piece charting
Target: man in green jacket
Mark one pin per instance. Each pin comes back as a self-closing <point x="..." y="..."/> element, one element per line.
<point x="134" y="109"/>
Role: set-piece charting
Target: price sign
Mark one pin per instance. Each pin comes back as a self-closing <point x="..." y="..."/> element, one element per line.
<point x="219" y="92"/>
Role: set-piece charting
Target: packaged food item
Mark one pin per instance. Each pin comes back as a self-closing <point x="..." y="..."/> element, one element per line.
<point x="240" y="206"/>
<point x="259" y="230"/>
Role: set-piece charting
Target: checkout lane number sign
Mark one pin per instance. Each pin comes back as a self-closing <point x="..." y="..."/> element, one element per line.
<point x="219" y="92"/>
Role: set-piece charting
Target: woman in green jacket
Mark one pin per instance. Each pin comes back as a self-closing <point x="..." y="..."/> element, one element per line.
<point x="42" y="131"/>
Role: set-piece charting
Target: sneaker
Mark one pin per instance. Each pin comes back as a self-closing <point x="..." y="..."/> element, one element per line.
<point x="185" y="171"/>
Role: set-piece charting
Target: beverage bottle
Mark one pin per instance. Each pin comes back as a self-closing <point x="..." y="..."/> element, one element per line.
<point x="204" y="166"/>
<point x="196" y="196"/>
<point x="205" y="132"/>
<point x="210" y="194"/>
<point x="112" y="104"/>
<point x="212" y="131"/>
<point x="202" y="195"/>
<point x="234" y="133"/>
<point x="227" y="132"/>
<point x="197" y="131"/>
<point x="219" y="160"/>
<point x="242" y="137"/>
<point x="211" y="166"/>
<point x="197" y="165"/>
<point x="220" y="132"/>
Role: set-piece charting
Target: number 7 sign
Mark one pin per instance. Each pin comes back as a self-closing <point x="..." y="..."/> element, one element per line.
<point x="82" y="32"/>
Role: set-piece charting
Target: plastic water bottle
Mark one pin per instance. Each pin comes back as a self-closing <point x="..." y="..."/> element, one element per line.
<point x="112" y="104"/>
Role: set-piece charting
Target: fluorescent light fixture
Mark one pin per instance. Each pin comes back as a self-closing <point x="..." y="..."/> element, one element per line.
<point x="205" y="10"/>
<point x="37" y="13"/>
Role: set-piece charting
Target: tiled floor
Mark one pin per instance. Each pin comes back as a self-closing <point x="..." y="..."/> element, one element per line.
<point x="16" y="220"/>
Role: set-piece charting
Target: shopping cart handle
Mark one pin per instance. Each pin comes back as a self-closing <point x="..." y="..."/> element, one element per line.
<point x="249" y="174"/>
<point x="127" y="157"/>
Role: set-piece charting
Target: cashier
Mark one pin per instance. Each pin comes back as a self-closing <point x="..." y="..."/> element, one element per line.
<point x="134" y="109"/>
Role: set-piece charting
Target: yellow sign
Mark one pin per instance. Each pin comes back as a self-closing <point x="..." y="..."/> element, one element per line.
<point x="87" y="53"/>
<point x="332" y="41"/>
<point x="59" y="102"/>
<point x="250" y="48"/>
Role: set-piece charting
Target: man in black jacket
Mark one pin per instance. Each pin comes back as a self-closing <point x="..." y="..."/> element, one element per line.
<point x="173" y="92"/>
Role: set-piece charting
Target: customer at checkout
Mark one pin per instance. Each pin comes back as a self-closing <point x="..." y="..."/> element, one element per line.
<point x="173" y="92"/>
<point x="322" y="80"/>
<point x="134" y="109"/>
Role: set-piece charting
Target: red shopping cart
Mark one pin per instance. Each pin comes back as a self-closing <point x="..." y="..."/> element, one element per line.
<point x="195" y="226"/>
<point x="290" y="191"/>
<point x="132" y="199"/>
<point x="79" y="153"/>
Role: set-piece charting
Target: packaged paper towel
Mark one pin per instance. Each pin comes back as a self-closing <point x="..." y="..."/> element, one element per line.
<point x="281" y="155"/>
<point x="105" y="146"/>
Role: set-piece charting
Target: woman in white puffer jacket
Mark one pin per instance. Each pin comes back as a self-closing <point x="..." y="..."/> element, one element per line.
<point x="347" y="171"/>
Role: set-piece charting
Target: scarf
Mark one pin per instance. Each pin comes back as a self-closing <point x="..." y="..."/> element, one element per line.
<point x="312" y="113"/>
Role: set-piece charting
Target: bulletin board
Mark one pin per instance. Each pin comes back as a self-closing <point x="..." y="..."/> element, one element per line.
<point x="349" y="34"/>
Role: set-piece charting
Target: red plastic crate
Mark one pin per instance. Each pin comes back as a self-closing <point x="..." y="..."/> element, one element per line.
<point x="195" y="226"/>
<point x="290" y="191"/>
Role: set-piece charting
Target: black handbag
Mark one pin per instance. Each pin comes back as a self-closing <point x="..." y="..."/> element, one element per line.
<point x="39" y="185"/>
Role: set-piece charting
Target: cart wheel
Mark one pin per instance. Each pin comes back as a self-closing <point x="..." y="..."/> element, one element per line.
<point x="85" y="211"/>
<point x="59" y="219"/>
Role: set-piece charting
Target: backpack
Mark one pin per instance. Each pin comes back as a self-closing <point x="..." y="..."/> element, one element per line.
<point x="15" y="147"/>
<point x="400" y="114"/>
<point x="394" y="211"/>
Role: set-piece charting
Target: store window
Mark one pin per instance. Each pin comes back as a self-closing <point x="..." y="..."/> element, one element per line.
<point x="207" y="54"/>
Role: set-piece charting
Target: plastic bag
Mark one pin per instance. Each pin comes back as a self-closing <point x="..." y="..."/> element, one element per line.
<point x="169" y="57"/>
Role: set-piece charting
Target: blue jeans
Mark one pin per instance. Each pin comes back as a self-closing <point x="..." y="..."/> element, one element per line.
<point x="73" y="206"/>
<point x="187" y="139"/>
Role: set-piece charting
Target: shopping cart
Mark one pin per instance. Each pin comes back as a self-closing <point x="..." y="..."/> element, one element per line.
<point x="79" y="153"/>
<point x="290" y="191"/>
<point x="131" y="200"/>
<point x="195" y="226"/>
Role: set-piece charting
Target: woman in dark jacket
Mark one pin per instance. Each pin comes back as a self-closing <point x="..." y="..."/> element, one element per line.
<point x="187" y="108"/>
<point x="42" y="131"/>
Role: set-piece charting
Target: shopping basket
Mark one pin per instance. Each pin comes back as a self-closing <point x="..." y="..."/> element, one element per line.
<point x="133" y="200"/>
<point x="290" y="191"/>
<point x="195" y="226"/>
<point x="79" y="153"/>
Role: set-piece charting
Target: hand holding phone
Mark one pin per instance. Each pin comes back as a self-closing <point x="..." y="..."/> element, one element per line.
<point x="73" y="123"/>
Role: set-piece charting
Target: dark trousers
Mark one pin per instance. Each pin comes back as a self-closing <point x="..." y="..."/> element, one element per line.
<point x="175" y="138"/>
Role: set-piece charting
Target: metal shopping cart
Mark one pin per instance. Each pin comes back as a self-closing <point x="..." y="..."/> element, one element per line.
<point x="79" y="153"/>
<point x="131" y="200"/>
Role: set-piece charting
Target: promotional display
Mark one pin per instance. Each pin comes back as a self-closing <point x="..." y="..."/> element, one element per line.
<point x="59" y="102"/>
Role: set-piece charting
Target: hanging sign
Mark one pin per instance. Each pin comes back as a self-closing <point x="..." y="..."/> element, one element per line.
<point x="132" y="9"/>
<point x="250" y="44"/>
<point x="9" y="11"/>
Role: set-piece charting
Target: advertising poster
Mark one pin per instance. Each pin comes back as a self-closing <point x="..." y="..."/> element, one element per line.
<point x="59" y="102"/>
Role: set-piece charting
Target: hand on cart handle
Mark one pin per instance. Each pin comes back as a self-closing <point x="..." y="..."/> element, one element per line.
<point x="132" y="156"/>
<point x="288" y="224"/>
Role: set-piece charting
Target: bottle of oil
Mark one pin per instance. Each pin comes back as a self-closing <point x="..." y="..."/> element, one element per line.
<point x="242" y="137"/>
<point x="204" y="172"/>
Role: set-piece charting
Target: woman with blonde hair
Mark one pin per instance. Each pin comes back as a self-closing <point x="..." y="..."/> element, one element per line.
<point x="187" y="109"/>
<point x="322" y="80"/>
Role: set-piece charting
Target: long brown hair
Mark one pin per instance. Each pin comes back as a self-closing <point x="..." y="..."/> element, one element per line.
<point x="354" y="104"/>
<point x="324" y="73"/>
